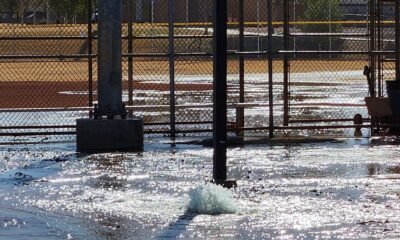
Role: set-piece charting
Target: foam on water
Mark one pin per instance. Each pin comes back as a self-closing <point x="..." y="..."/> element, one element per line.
<point x="211" y="199"/>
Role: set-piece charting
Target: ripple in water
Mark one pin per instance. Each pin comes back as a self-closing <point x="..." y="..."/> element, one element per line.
<point x="211" y="199"/>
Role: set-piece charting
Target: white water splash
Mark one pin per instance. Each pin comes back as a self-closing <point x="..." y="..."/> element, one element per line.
<point x="211" y="199"/>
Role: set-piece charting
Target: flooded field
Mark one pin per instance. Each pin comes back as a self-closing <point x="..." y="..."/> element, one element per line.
<point x="344" y="189"/>
<point x="313" y="96"/>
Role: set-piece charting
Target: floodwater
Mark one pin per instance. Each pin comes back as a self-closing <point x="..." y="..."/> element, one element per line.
<point x="314" y="95"/>
<point x="346" y="189"/>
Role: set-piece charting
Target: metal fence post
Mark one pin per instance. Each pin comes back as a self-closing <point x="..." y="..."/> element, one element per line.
<point x="285" y="63"/>
<point x="171" y="57"/>
<point x="90" y="52"/>
<point x="379" y="48"/>
<point x="130" y="58"/>
<point x="116" y="133"/>
<point x="270" y="71"/>
<point x="109" y="59"/>
<point x="219" y="93"/>
<point x="240" y="110"/>
<point x="372" y="48"/>
<point x="397" y="40"/>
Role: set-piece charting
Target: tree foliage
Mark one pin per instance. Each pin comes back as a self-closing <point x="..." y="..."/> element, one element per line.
<point x="321" y="16"/>
<point x="323" y="11"/>
<point x="68" y="10"/>
<point x="8" y="6"/>
<point x="63" y="11"/>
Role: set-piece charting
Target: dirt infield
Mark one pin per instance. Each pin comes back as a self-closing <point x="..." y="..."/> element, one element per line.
<point x="58" y="71"/>
<point x="67" y="94"/>
<point x="55" y="84"/>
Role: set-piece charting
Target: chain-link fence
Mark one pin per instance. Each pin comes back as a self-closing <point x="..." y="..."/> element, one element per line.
<point x="43" y="66"/>
<point x="313" y="52"/>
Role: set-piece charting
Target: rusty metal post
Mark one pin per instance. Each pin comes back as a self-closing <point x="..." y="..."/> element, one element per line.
<point x="90" y="52"/>
<point x="171" y="58"/>
<point x="270" y="71"/>
<point x="130" y="58"/>
<point x="285" y="63"/>
<point x="240" y="111"/>
<point x="220" y="91"/>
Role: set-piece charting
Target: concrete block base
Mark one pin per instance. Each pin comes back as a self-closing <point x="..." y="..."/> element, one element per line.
<point x="104" y="135"/>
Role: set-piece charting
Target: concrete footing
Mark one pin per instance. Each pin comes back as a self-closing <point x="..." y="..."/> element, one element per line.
<point x="104" y="135"/>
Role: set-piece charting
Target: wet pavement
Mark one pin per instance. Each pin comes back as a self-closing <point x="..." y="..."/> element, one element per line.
<point x="342" y="190"/>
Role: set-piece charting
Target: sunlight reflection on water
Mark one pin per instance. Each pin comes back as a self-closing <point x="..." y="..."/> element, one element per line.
<point x="293" y="191"/>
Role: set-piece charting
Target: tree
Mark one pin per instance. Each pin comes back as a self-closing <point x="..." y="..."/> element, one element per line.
<point x="8" y="6"/>
<point x="319" y="17"/>
<point x="68" y="11"/>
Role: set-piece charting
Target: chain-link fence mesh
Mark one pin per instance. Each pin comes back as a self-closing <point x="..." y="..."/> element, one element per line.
<point x="43" y="65"/>
<point x="327" y="85"/>
<point x="48" y="65"/>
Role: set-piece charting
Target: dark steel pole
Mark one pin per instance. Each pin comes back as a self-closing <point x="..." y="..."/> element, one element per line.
<point x="270" y="71"/>
<point x="379" y="48"/>
<point x="109" y="59"/>
<point x="90" y="52"/>
<point x="220" y="87"/>
<point x="171" y="56"/>
<point x="285" y="63"/>
<point x="372" y="45"/>
<point x="130" y="58"/>
<point x="241" y="69"/>
<point x="397" y="22"/>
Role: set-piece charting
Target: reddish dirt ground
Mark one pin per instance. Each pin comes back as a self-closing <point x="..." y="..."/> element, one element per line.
<point x="53" y="94"/>
<point x="40" y="84"/>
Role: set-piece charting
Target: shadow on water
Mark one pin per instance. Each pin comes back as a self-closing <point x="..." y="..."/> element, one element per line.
<point x="374" y="169"/>
<point x="177" y="228"/>
<point x="393" y="169"/>
<point x="378" y="169"/>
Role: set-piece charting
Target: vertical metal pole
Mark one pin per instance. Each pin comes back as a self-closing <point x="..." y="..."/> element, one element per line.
<point x="240" y="112"/>
<point x="330" y="27"/>
<point x="130" y="58"/>
<point x="372" y="44"/>
<point x="380" y="42"/>
<point x="220" y="87"/>
<point x="187" y="13"/>
<point x="397" y="41"/>
<point x="270" y="71"/>
<point x="139" y="10"/>
<point x="294" y="20"/>
<point x="109" y="55"/>
<point x="90" y="52"/>
<point x="285" y="63"/>
<point x="48" y="12"/>
<point x="258" y="24"/>
<point x="171" y="56"/>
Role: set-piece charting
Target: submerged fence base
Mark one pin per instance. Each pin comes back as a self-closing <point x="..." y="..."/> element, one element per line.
<point x="109" y="135"/>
